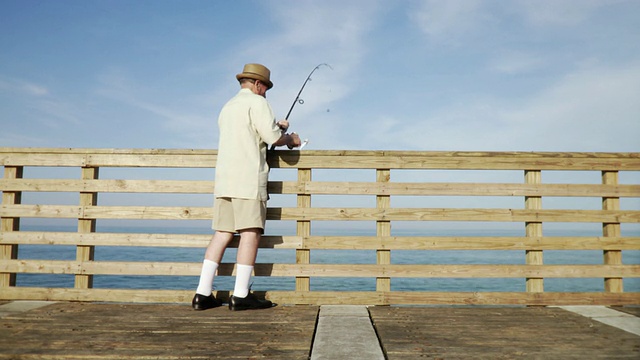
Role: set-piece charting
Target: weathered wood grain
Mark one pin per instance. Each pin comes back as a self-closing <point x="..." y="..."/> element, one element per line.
<point x="125" y="331"/>
<point x="323" y="270"/>
<point x="326" y="188"/>
<point x="331" y="242"/>
<point x="497" y="333"/>
<point x="333" y="297"/>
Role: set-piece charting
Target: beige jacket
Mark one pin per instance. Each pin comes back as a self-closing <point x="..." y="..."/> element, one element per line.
<point x="247" y="125"/>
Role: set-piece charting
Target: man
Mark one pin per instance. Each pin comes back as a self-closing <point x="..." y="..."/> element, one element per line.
<point x="247" y="125"/>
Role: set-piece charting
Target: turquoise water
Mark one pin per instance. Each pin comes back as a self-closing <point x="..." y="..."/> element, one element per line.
<point x="106" y="253"/>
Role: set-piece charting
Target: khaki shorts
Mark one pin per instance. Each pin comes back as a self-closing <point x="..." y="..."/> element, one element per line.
<point x="232" y="215"/>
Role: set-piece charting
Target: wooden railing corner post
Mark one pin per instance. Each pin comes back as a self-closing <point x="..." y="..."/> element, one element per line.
<point x="7" y="224"/>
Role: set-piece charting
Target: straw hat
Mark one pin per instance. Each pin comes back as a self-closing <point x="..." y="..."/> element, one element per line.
<point x="256" y="72"/>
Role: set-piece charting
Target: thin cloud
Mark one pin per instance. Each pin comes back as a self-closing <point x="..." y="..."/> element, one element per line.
<point x="593" y="109"/>
<point x="512" y="62"/>
<point x="561" y="12"/>
<point x="449" y="20"/>
<point x="185" y="126"/>
<point x="51" y="110"/>
<point x="22" y="86"/>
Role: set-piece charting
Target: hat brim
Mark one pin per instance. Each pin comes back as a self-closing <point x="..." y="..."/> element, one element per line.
<point x="255" y="77"/>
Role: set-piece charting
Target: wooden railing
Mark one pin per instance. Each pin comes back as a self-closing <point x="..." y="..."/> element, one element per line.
<point x="385" y="181"/>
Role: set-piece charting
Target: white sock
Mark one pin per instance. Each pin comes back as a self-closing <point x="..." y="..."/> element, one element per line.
<point x="206" y="277"/>
<point x="243" y="276"/>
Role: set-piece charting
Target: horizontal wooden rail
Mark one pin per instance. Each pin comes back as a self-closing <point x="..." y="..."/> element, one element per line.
<point x="330" y="298"/>
<point x="326" y="188"/>
<point x="324" y="214"/>
<point x="326" y="159"/>
<point x="28" y="199"/>
<point x="324" y="270"/>
<point x="331" y="242"/>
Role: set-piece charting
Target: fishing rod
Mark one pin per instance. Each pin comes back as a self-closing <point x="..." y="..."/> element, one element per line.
<point x="297" y="99"/>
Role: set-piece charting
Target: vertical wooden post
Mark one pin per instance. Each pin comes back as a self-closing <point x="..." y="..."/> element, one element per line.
<point x="303" y="256"/>
<point x="611" y="257"/>
<point x="86" y="253"/>
<point x="533" y="229"/>
<point x="383" y="228"/>
<point x="8" y="224"/>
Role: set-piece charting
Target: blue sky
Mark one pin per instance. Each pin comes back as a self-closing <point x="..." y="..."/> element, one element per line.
<point x="546" y="75"/>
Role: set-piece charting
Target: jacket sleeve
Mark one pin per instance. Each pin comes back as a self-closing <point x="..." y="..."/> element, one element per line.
<point x="264" y="122"/>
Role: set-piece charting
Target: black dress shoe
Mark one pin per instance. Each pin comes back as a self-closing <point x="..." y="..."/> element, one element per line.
<point x="201" y="302"/>
<point x="248" y="303"/>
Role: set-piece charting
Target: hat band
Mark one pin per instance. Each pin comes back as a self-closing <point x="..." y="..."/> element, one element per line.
<point x="256" y="74"/>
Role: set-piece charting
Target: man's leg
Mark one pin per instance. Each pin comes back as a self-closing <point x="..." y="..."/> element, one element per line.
<point x="242" y="299"/>
<point x="212" y="258"/>
<point x="204" y="299"/>
<point x="246" y="259"/>
<point x="217" y="246"/>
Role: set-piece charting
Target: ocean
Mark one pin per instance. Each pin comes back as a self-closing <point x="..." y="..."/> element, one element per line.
<point x="195" y="255"/>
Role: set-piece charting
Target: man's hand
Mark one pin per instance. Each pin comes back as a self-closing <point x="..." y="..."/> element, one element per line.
<point x="283" y="124"/>
<point x="294" y="141"/>
<point x="290" y="140"/>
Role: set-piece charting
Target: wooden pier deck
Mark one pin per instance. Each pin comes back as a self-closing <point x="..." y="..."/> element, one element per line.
<point x="72" y="330"/>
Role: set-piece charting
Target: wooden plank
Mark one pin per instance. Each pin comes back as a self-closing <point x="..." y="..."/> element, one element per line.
<point x="451" y="214"/>
<point x="109" y="295"/>
<point x="470" y="243"/>
<point x="512" y="298"/>
<point x="38" y="159"/>
<point x="282" y="153"/>
<point x="151" y="160"/>
<point x="115" y="151"/>
<point x="459" y="162"/>
<point x="334" y="297"/>
<point x="410" y="333"/>
<point x="96" y="158"/>
<point x="326" y="188"/>
<point x="157" y="331"/>
<point x="41" y="211"/>
<point x="109" y="186"/>
<point x="327" y="159"/>
<point x="137" y="239"/>
<point x="332" y="242"/>
<point x="454" y="298"/>
<point x="450" y="271"/>
<point x="107" y="212"/>
<point x="464" y="189"/>
<point x="342" y="214"/>
<point x="324" y="270"/>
